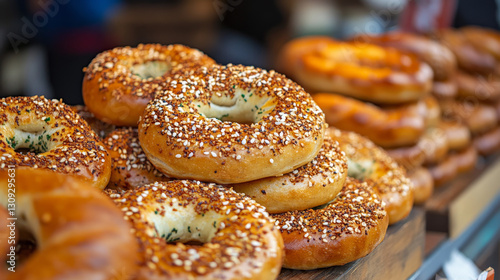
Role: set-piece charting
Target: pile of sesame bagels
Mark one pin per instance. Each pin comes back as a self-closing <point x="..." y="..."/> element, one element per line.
<point x="216" y="171"/>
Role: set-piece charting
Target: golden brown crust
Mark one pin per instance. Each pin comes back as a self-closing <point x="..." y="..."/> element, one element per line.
<point x="365" y="71"/>
<point x="81" y="234"/>
<point x="423" y="184"/>
<point x="469" y="58"/>
<point x="457" y="134"/>
<point x="431" y="148"/>
<point x="129" y="166"/>
<point x="315" y="183"/>
<point x="54" y="135"/>
<point x="484" y="39"/>
<point x="478" y="117"/>
<point x="437" y="56"/>
<point x="455" y="163"/>
<point x="115" y="94"/>
<point x="478" y="88"/>
<point x="488" y="143"/>
<point x="286" y="129"/>
<point x="240" y="239"/>
<point x="387" y="128"/>
<point x="346" y="229"/>
<point x="444" y="90"/>
<point x="370" y="162"/>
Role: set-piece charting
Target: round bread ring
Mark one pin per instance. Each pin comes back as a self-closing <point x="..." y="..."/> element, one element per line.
<point x="101" y="128"/>
<point x="443" y="172"/>
<point x="437" y="56"/>
<point x="485" y="39"/>
<point x="478" y="117"/>
<point x="431" y="148"/>
<point x="80" y="233"/>
<point x="316" y="183"/>
<point x="446" y="89"/>
<point x="360" y="70"/>
<point x="240" y="239"/>
<point x="318" y="238"/>
<point x="455" y="163"/>
<point x="457" y="135"/>
<point x="231" y="124"/>
<point x="465" y="159"/>
<point x="387" y="128"/>
<point x="130" y="167"/>
<point x="119" y="83"/>
<point x="469" y="58"/>
<point x="423" y="184"/>
<point x="55" y="136"/>
<point x="488" y="143"/>
<point x="369" y="162"/>
<point x="481" y="88"/>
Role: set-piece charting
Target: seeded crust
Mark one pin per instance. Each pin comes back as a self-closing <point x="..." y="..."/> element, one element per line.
<point x="360" y="70"/>
<point x="76" y="149"/>
<point x="114" y="94"/>
<point x="310" y="185"/>
<point x="185" y="144"/>
<point x="129" y="166"/>
<point x="348" y="228"/>
<point x="245" y="244"/>
<point x="101" y="128"/>
<point x="388" y="178"/>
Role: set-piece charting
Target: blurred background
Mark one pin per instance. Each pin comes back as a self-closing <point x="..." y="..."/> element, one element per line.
<point x="44" y="44"/>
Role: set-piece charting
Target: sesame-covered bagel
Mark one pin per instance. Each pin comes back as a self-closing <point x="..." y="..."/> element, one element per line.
<point x="119" y="83"/>
<point x="346" y="229"/>
<point x="79" y="232"/>
<point x="360" y="70"/>
<point x="40" y="133"/>
<point x="130" y="167"/>
<point x="315" y="183"/>
<point x="231" y="124"/>
<point x="240" y="240"/>
<point x="366" y="161"/>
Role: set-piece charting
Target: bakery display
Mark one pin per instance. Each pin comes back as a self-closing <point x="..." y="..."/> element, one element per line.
<point x="235" y="172"/>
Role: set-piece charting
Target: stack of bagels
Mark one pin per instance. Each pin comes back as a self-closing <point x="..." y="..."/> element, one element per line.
<point x="220" y="171"/>
<point x="427" y="100"/>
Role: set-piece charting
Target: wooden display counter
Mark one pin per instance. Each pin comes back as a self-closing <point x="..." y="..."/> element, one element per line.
<point x="397" y="257"/>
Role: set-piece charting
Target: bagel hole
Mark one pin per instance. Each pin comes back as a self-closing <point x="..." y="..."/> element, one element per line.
<point x="150" y="69"/>
<point x="28" y="140"/>
<point x="26" y="243"/>
<point x="359" y="169"/>
<point x="244" y="107"/>
<point x="185" y="227"/>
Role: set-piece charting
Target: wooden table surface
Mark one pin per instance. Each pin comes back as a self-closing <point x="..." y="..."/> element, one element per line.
<point x="397" y="257"/>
